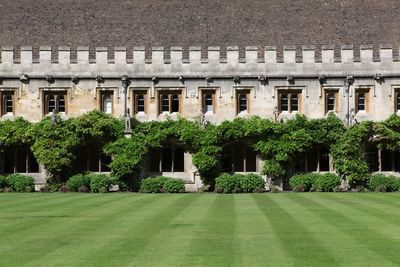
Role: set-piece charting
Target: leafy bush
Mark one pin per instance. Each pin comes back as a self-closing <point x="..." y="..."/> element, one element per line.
<point x="251" y="183"/>
<point x="3" y="182"/>
<point x="303" y="181"/>
<point x="274" y="189"/>
<point x="226" y="183"/>
<point x="174" y="185"/>
<point x="161" y="184"/>
<point x="99" y="183"/>
<point x="77" y="181"/>
<point x="21" y="183"/>
<point x="327" y="182"/>
<point x="382" y="183"/>
<point x="153" y="185"/>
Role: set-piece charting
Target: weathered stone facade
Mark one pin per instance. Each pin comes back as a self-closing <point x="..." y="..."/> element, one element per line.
<point x="220" y="88"/>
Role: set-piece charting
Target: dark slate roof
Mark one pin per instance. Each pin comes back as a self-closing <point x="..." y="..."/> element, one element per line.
<point x="198" y="22"/>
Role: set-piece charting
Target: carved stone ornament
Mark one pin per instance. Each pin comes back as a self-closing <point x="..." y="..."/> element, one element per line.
<point x="349" y="80"/>
<point x="75" y="79"/>
<point x="262" y="79"/>
<point x="24" y="78"/>
<point x="236" y="79"/>
<point x="378" y="77"/>
<point x="125" y="81"/>
<point x="181" y="79"/>
<point x="49" y="78"/>
<point x="290" y="79"/>
<point x="100" y="79"/>
<point x="209" y="79"/>
<point x="155" y="79"/>
<point x="322" y="79"/>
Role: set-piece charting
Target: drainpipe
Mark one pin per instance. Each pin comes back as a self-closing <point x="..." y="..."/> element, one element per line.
<point x="127" y="118"/>
<point x="347" y="83"/>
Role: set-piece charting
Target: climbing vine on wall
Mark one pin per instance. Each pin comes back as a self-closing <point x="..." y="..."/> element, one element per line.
<point x="54" y="142"/>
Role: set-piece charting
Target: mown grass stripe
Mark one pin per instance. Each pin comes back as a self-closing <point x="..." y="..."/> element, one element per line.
<point x="355" y="227"/>
<point x="172" y="242"/>
<point x="297" y="240"/>
<point x="137" y="235"/>
<point x="94" y="223"/>
<point x="214" y="245"/>
<point x="57" y="232"/>
<point x="369" y="207"/>
<point x="335" y="237"/>
<point x="257" y="242"/>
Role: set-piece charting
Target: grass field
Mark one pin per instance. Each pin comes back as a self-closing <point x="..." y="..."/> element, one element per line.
<point x="286" y="229"/>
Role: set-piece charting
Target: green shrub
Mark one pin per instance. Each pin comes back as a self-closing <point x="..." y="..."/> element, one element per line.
<point x="3" y="182"/>
<point x="251" y="183"/>
<point x="304" y="181"/>
<point x="99" y="183"/>
<point x="382" y="183"/>
<point x="153" y="184"/>
<point x="327" y="182"/>
<point x="78" y="181"/>
<point x="226" y="183"/>
<point x="21" y="183"/>
<point x="172" y="185"/>
<point x="274" y="189"/>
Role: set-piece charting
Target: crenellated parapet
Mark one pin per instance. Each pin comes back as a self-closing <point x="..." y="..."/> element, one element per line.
<point x="293" y="60"/>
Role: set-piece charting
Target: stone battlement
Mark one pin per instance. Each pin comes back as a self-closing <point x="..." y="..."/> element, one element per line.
<point x="171" y="61"/>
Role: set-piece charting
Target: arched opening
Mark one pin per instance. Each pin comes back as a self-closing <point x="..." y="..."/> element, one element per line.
<point x="169" y="158"/>
<point x="238" y="158"/>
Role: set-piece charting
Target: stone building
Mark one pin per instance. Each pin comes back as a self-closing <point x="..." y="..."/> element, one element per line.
<point x="215" y="83"/>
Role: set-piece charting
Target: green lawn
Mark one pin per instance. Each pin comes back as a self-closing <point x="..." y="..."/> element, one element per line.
<point x="284" y="229"/>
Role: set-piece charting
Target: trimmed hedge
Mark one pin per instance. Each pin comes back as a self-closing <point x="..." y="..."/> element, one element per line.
<point x="21" y="183"/>
<point x="99" y="183"/>
<point x="326" y="182"/>
<point x="303" y="182"/>
<point x="382" y="183"/>
<point x="3" y="182"/>
<point x="161" y="184"/>
<point x="237" y="183"/>
<point x="78" y="182"/>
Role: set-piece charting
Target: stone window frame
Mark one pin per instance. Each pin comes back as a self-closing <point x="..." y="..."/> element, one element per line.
<point x="170" y="91"/>
<point x="100" y="91"/>
<point x="366" y="90"/>
<point x="331" y="90"/>
<point x="5" y="92"/>
<point x="396" y="94"/>
<point x="289" y="91"/>
<point x="249" y="92"/>
<point x="27" y="159"/>
<point x="204" y="91"/>
<point x="132" y="96"/>
<point x="172" y="148"/>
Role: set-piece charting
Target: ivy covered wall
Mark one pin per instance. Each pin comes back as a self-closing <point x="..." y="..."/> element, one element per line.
<point x="55" y="142"/>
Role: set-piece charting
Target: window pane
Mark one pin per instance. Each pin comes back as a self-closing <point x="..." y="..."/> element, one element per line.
<point x="208" y="100"/>
<point x="398" y="102"/>
<point x="107" y="104"/>
<point x="175" y="103"/>
<point x="166" y="157"/>
<point x="361" y="101"/>
<point x="33" y="164"/>
<point x="331" y="102"/>
<point x="51" y="103"/>
<point x="324" y="159"/>
<point x="8" y="103"/>
<point x="9" y="160"/>
<point x="61" y="103"/>
<point x="179" y="160"/>
<point x="140" y="103"/>
<point x="284" y="102"/>
<point x="251" y="161"/>
<point x="164" y="103"/>
<point x="294" y="102"/>
<point x="155" y="157"/>
<point x="242" y="102"/>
